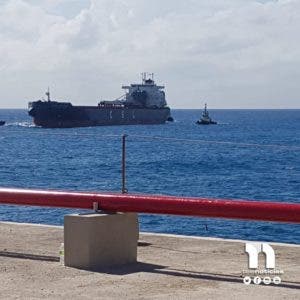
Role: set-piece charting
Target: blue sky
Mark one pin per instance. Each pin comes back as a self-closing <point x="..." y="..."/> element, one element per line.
<point x="230" y="54"/>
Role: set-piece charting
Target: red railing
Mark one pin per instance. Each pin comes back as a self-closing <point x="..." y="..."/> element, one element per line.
<point x="155" y="204"/>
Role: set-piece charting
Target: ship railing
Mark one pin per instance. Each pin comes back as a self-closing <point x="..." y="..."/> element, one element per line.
<point x="105" y="105"/>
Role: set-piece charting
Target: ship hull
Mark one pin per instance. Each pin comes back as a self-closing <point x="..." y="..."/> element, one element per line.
<point x="55" y="116"/>
<point x="206" y="122"/>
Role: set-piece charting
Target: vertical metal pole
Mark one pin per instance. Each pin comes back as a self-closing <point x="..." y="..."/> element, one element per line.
<point x="124" y="189"/>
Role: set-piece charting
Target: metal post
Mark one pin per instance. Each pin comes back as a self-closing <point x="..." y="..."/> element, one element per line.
<point x="124" y="189"/>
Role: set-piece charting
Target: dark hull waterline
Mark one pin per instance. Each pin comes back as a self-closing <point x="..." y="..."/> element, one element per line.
<point x="206" y="123"/>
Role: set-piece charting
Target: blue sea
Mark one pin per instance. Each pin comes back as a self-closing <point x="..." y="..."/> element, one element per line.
<point x="250" y="154"/>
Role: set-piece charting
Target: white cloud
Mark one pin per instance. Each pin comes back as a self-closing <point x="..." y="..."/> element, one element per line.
<point x="232" y="53"/>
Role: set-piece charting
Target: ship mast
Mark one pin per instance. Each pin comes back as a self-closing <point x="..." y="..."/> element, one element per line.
<point x="145" y="75"/>
<point x="48" y="95"/>
<point x="205" y="112"/>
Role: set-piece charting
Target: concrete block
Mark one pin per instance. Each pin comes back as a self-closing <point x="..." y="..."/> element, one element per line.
<point x="95" y="241"/>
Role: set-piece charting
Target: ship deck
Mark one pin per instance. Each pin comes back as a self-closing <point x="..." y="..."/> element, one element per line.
<point x="169" y="267"/>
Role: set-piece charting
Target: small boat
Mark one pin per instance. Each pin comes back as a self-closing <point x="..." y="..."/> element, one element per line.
<point x="205" y="119"/>
<point x="2" y="123"/>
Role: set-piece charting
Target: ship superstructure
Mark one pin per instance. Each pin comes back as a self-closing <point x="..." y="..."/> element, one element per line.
<point x="146" y="94"/>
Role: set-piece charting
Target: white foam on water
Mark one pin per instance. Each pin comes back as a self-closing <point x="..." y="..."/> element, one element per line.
<point x="21" y="124"/>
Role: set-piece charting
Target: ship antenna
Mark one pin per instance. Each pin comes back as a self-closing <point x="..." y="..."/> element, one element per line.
<point x="48" y="94"/>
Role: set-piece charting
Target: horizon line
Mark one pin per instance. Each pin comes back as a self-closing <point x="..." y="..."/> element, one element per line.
<point x="200" y="108"/>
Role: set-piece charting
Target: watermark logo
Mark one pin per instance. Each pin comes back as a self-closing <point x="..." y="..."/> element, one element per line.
<point x="255" y="274"/>
<point x="253" y="250"/>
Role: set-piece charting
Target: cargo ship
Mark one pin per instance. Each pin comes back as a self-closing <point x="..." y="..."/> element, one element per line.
<point x="143" y="103"/>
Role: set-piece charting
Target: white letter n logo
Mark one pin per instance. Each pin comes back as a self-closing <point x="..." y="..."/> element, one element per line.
<point x="253" y="249"/>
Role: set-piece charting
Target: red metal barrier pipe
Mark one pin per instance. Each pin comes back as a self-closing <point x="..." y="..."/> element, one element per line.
<point x="154" y="204"/>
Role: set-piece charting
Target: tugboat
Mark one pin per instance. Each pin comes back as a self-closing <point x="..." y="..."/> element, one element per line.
<point x="2" y="123"/>
<point x="143" y="103"/>
<point x="205" y="119"/>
